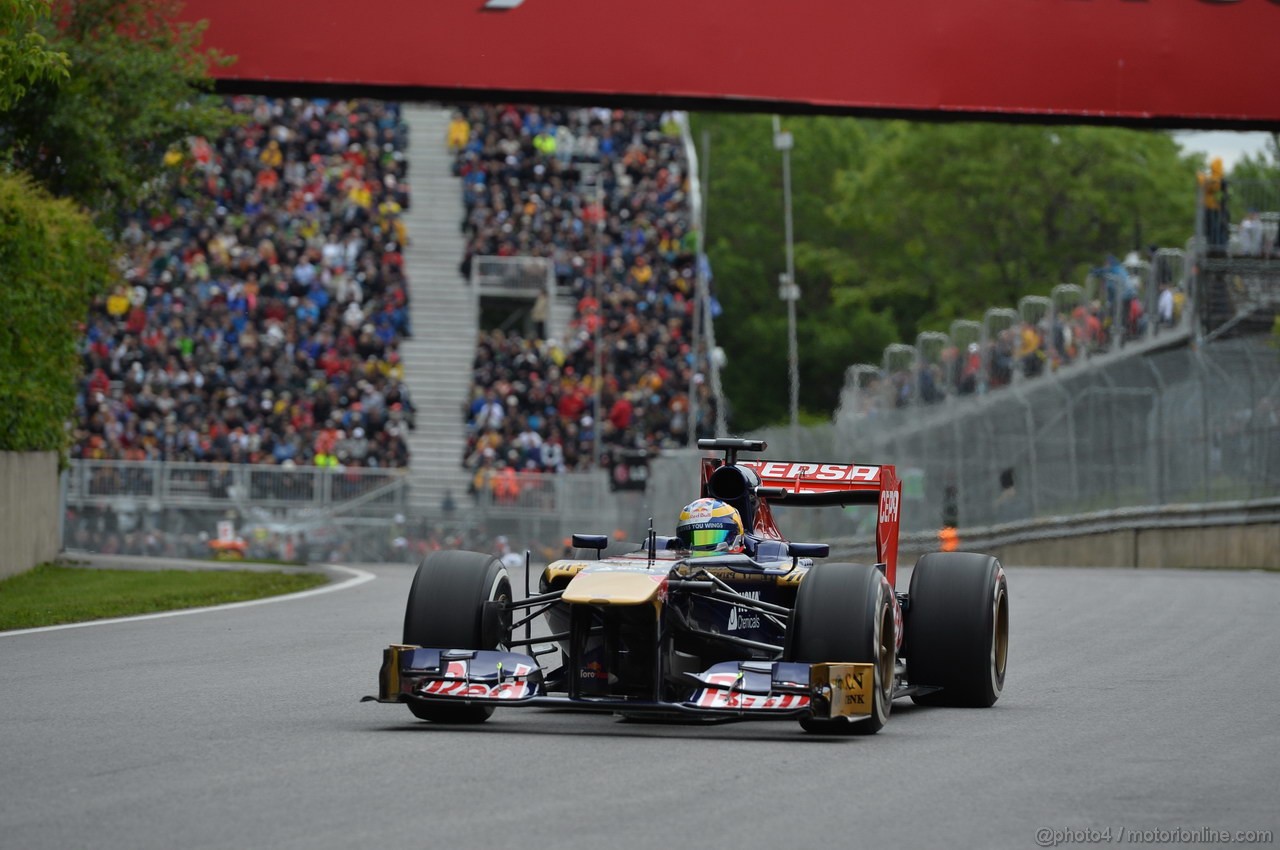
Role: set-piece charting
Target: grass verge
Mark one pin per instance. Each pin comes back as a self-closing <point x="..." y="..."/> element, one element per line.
<point x="51" y="594"/>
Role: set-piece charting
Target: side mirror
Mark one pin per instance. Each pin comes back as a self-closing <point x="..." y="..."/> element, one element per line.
<point x="808" y="550"/>
<point x="591" y="541"/>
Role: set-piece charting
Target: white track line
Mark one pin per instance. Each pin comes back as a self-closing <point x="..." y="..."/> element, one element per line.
<point x="358" y="577"/>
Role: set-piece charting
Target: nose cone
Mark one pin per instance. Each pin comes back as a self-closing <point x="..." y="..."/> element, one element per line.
<point x="615" y="587"/>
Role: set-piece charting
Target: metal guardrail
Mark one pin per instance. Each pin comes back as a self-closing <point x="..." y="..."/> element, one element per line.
<point x="213" y="485"/>
<point x="350" y="512"/>
<point x="1045" y="529"/>
<point x="359" y="529"/>
<point x="334" y="491"/>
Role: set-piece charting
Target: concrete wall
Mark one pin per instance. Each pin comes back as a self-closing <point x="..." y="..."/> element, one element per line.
<point x="28" y="510"/>
<point x="1231" y="535"/>
<point x="1232" y="546"/>
<point x="1107" y="549"/>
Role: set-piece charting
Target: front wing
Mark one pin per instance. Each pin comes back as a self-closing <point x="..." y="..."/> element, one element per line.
<point x="760" y="690"/>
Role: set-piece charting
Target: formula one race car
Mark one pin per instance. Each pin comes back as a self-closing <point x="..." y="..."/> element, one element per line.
<point x="765" y="631"/>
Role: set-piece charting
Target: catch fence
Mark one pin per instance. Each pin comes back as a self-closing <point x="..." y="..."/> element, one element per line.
<point x="1177" y="426"/>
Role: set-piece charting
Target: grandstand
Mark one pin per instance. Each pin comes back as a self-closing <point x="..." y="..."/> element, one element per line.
<point x="262" y="308"/>
<point x="582" y="245"/>
<point x="301" y="347"/>
<point x="265" y="358"/>
<point x="250" y="357"/>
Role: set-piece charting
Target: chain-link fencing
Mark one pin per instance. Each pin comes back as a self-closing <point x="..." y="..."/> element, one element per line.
<point x="1171" y="427"/>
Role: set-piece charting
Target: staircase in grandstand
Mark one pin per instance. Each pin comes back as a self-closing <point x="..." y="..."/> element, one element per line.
<point x="1238" y="270"/>
<point x="438" y="359"/>
<point x="1241" y="295"/>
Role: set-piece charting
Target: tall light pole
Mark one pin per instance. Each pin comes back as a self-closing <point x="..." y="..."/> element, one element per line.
<point x="701" y="304"/>
<point x="788" y="289"/>
<point x="598" y="418"/>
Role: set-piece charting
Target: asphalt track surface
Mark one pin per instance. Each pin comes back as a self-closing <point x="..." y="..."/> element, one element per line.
<point x="1135" y="699"/>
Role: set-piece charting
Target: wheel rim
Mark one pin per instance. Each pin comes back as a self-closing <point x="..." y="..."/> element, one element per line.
<point x="884" y="653"/>
<point x="502" y="593"/>
<point x="1000" y="638"/>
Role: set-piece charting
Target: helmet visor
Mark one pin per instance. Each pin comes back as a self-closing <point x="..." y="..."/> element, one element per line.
<point x="708" y="539"/>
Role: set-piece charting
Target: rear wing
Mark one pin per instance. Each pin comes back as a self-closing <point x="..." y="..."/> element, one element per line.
<point x="819" y="483"/>
<point x="808" y="483"/>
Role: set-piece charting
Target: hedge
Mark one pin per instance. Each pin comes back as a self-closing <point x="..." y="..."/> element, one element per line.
<point x="53" y="261"/>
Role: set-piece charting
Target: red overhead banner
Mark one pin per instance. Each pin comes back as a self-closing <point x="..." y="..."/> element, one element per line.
<point x="1161" y="62"/>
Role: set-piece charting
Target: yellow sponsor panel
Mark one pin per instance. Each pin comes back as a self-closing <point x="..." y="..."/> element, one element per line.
<point x="563" y="569"/>
<point x="389" y="675"/>
<point x="848" y="688"/>
<point x="727" y="574"/>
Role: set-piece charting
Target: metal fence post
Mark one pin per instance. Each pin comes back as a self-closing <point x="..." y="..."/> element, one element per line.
<point x="1028" y="416"/>
<point x="1207" y="452"/>
<point x="1156" y="436"/>
<point x="64" y="478"/>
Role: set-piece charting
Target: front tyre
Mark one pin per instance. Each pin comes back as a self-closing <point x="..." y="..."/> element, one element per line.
<point x="957" y="630"/>
<point x="844" y="613"/>
<point x="448" y="608"/>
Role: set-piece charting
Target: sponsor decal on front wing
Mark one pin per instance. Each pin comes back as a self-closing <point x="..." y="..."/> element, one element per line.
<point x="457" y="670"/>
<point x="720" y="698"/>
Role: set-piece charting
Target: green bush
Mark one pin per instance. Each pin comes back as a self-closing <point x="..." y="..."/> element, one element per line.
<point x="52" y="263"/>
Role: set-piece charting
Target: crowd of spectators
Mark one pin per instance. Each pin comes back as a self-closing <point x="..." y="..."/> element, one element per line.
<point x="262" y="300"/>
<point x="1033" y="345"/>
<point x="602" y="195"/>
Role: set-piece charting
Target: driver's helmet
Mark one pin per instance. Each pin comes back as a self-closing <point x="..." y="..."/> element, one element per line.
<point x="709" y="527"/>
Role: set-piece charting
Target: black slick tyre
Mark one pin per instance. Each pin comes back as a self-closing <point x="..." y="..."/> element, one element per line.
<point x="844" y="613"/>
<point x="957" y="629"/>
<point x="447" y="609"/>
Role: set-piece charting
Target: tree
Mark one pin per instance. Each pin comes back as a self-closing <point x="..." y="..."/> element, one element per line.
<point x="139" y="84"/>
<point x="1263" y="166"/>
<point x="962" y="217"/>
<point x="902" y="227"/>
<point x="746" y="247"/>
<point x="25" y="56"/>
<point x="91" y="98"/>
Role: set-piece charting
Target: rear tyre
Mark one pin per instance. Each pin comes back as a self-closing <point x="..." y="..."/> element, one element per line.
<point x="957" y="629"/>
<point x="446" y="609"/>
<point x="844" y="613"/>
